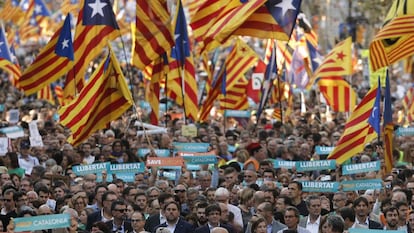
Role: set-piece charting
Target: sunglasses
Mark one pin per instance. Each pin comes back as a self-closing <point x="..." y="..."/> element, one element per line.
<point x="179" y="191"/>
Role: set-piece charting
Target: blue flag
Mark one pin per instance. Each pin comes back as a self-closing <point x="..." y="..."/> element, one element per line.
<point x="374" y="119"/>
<point x="271" y="70"/>
<point x="40" y="9"/>
<point x="4" y="48"/>
<point x="64" y="46"/>
<point x="99" y="12"/>
<point x="181" y="50"/>
<point x="284" y="13"/>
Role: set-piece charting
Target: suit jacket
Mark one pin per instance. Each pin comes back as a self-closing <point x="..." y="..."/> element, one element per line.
<point x="206" y="229"/>
<point x="127" y="226"/>
<point x="374" y="225"/>
<point x="276" y="226"/>
<point x="92" y="218"/>
<point x="182" y="227"/>
<point x="151" y="222"/>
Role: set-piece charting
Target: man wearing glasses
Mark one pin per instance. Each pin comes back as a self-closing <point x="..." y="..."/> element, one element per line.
<point x="119" y="213"/>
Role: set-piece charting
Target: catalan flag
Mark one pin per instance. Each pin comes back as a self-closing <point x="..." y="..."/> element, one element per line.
<point x="337" y="62"/>
<point x="235" y="98"/>
<point x="212" y="95"/>
<point x="53" y="61"/>
<point x="240" y="59"/>
<point x="59" y="95"/>
<point x="338" y="94"/>
<point x="236" y="12"/>
<point x="183" y="66"/>
<point x="408" y="104"/>
<point x="46" y="94"/>
<point x="206" y="15"/>
<point x="12" y="12"/>
<point x="6" y="59"/>
<point x="375" y="117"/>
<point x="275" y="19"/>
<point x="395" y="40"/>
<point x="70" y="6"/>
<point x="388" y="127"/>
<point x="152" y="35"/>
<point x="270" y="74"/>
<point x="95" y="27"/>
<point x="358" y="131"/>
<point x="104" y="98"/>
<point x="153" y="92"/>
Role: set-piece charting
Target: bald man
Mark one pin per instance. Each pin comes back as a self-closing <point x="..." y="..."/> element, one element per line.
<point x="219" y="230"/>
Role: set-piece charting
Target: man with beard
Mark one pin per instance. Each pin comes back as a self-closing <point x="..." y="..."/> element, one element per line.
<point x="391" y="218"/>
<point x="201" y="214"/>
<point x="174" y="223"/>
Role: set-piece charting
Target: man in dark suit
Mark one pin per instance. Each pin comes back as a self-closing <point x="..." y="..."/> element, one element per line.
<point x="118" y="223"/>
<point x="104" y="214"/>
<point x="213" y="214"/>
<point x="157" y="219"/>
<point x="174" y="223"/>
<point x="361" y="215"/>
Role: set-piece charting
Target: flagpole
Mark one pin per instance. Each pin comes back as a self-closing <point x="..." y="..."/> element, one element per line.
<point x="166" y="98"/>
<point x="182" y="70"/>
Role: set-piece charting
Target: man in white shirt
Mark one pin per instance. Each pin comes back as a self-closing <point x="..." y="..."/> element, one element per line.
<point x="312" y="221"/>
<point x="222" y="195"/>
<point x="26" y="161"/>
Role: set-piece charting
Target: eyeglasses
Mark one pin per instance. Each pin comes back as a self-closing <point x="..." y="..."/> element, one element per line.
<point x="179" y="191"/>
<point x="137" y="220"/>
<point x="7" y="200"/>
<point x="121" y="210"/>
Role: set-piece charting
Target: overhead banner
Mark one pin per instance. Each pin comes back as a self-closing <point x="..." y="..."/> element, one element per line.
<point x="191" y="146"/>
<point x="42" y="222"/>
<point x="302" y="166"/>
<point x="355" y="185"/>
<point x="320" y="187"/>
<point x="159" y="152"/>
<point x="361" y="167"/>
<point x="323" y="150"/>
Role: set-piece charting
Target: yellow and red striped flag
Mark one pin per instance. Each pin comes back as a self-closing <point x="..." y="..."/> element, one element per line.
<point x="155" y="73"/>
<point x="7" y="62"/>
<point x="240" y="59"/>
<point x="59" y="95"/>
<point x="182" y="70"/>
<point x="12" y="12"/>
<point x="46" y="94"/>
<point x="235" y="97"/>
<point x="337" y="62"/>
<point x="53" y="61"/>
<point x="338" y="94"/>
<point x="105" y="98"/>
<point x="358" y="131"/>
<point x="274" y="20"/>
<point x="95" y="27"/>
<point x="206" y="15"/>
<point x="395" y="40"/>
<point x="231" y="17"/>
<point x="152" y="35"/>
